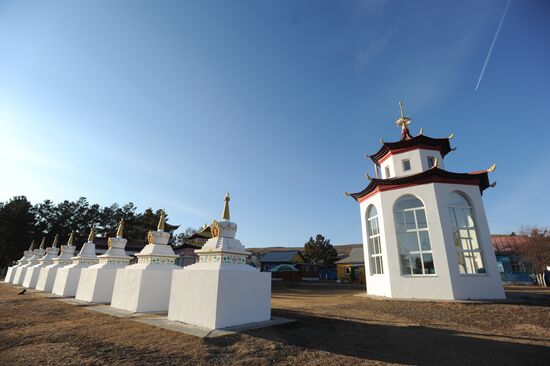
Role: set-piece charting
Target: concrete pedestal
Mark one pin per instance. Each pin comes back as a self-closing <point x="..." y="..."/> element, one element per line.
<point x="97" y="282"/>
<point x="47" y="276"/>
<point x="67" y="278"/>
<point x="10" y="274"/>
<point x="31" y="276"/>
<point x="220" y="296"/>
<point x="20" y="273"/>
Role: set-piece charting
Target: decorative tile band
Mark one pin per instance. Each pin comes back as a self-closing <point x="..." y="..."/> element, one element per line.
<point x="83" y="260"/>
<point x="156" y="260"/>
<point x="222" y="258"/>
<point x="114" y="260"/>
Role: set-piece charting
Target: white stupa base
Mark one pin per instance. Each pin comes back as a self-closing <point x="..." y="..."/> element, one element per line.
<point x="66" y="280"/>
<point x="20" y="273"/>
<point x="46" y="279"/>
<point x="97" y="282"/>
<point x="10" y="274"/>
<point x="31" y="277"/>
<point x="143" y="287"/>
<point x="218" y="296"/>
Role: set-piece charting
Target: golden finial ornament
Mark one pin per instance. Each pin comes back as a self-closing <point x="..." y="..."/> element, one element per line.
<point x="71" y="238"/>
<point x="160" y="226"/>
<point x="403" y="121"/>
<point x="215" y="228"/>
<point x="368" y="176"/>
<point x="42" y="243"/>
<point x="346" y="194"/>
<point x="54" y="244"/>
<point x="492" y="168"/>
<point x="92" y="234"/>
<point x="32" y="246"/>
<point x="451" y="136"/>
<point x="225" y="214"/>
<point x="120" y="229"/>
<point x="436" y="163"/>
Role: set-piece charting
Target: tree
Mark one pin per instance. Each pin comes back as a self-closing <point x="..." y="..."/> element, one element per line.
<point x="319" y="251"/>
<point x="17" y="226"/>
<point x="537" y="250"/>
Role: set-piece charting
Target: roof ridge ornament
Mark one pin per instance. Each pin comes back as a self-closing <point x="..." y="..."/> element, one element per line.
<point x="451" y="136"/>
<point x="492" y="168"/>
<point x="403" y="122"/>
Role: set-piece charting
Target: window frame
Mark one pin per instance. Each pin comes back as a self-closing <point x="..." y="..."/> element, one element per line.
<point x="419" y="251"/>
<point x="374" y="238"/>
<point x="467" y="254"/>
<point x="430" y="160"/>
<point x="387" y="171"/>
<point x="403" y="161"/>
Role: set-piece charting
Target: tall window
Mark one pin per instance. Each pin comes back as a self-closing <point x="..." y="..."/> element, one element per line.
<point x="413" y="238"/>
<point x="375" y="248"/>
<point x="470" y="259"/>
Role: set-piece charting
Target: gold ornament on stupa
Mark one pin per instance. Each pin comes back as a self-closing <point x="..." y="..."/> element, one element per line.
<point x="42" y="243"/>
<point x="32" y="246"/>
<point x="71" y="238"/>
<point x="54" y="244"/>
<point x="160" y="226"/>
<point x="120" y="229"/>
<point x="225" y="214"/>
<point x="92" y="234"/>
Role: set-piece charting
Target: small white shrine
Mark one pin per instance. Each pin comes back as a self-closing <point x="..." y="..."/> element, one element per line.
<point x="97" y="282"/>
<point x="425" y="233"/>
<point x="24" y="280"/>
<point x="221" y="290"/>
<point x="10" y="275"/>
<point x="21" y="272"/>
<point x="66" y="280"/>
<point x="145" y="286"/>
<point x="31" y="277"/>
<point x="48" y="274"/>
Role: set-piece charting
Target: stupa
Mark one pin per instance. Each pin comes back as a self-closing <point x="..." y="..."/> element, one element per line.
<point x="66" y="281"/>
<point x="20" y="276"/>
<point x="31" y="277"/>
<point x="97" y="282"/>
<point x="145" y="286"/>
<point x="10" y="275"/>
<point x="48" y="274"/>
<point x="221" y="290"/>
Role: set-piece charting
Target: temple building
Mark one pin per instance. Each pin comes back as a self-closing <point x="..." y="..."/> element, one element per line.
<point x="425" y="233"/>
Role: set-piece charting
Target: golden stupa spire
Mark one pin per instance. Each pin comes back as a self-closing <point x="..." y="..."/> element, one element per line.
<point x="71" y="238"/>
<point x="120" y="230"/>
<point x="32" y="245"/>
<point x="403" y="121"/>
<point x="160" y="226"/>
<point x="225" y="214"/>
<point x="92" y="234"/>
<point x="42" y="243"/>
<point x="54" y="244"/>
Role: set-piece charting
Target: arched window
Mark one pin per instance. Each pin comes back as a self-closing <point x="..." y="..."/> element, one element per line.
<point x="470" y="259"/>
<point x="413" y="239"/>
<point x="375" y="248"/>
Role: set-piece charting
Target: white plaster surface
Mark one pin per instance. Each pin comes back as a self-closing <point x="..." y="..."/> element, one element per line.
<point x="20" y="274"/>
<point x="10" y="273"/>
<point x="31" y="277"/>
<point x="46" y="279"/>
<point x="143" y="287"/>
<point x="67" y="278"/>
<point x="97" y="282"/>
<point x="220" y="296"/>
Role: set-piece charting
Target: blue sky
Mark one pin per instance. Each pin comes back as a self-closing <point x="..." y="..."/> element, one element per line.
<point x="171" y="104"/>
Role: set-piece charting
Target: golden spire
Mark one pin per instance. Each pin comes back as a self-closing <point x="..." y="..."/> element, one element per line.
<point x="32" y="245"/>
<point x="160" y="226"/>
<point x="120" y="230"/>
<point x="55" y="241"/>
<point x="71" y="238"/>
<point x="403" y="121"/>
<point x="42" y="243"/>
<point x="225" y="214"/>
<point x="92" y="234"/>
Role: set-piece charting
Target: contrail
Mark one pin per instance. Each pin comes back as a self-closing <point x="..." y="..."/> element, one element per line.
<point x="492" y="44"/>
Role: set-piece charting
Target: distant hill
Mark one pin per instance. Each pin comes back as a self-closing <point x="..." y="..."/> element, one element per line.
<point x="342" y="249"/>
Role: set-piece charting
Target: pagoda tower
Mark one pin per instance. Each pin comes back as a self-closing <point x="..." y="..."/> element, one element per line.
<point x="48" y="274"/>
<point x="66" y="280"/>
<point x="10" y="275"/>
<point x="96" y="282"/>
<point x="425" y="232"/>
<point x="31" y="277"/>
<point x="145" y="286"/>
<point x="21" y="273"/>
<point x="221" y="290"/>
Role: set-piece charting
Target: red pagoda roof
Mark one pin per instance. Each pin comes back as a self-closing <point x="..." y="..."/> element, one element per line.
<point x="434" y="175"/>
<point x="408" y="143"/>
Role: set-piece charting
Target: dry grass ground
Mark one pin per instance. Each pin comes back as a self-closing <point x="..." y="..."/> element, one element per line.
<point x="333" y="327"/>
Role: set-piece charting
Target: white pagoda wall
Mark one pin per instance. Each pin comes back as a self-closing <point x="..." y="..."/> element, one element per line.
<point x="447" y="283"/>
<point x="418" y="159"/>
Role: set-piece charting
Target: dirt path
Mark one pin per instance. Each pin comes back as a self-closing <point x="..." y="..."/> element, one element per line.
<point x="334" y="327"/>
